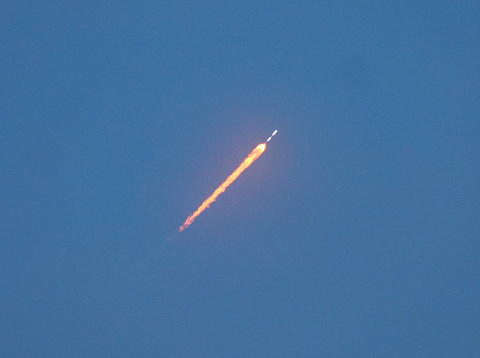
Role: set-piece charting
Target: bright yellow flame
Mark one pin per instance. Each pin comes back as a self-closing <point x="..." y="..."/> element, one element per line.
<point x="245" y="164"/>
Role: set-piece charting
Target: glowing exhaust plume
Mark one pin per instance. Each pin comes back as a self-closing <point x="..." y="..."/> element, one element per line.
<point x="246" y="163"/>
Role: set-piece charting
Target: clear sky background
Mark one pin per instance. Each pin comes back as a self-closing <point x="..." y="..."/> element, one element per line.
<point x="355" y="234"/>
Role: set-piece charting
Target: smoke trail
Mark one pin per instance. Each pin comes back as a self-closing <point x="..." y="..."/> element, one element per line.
<point x="245" y="164"/>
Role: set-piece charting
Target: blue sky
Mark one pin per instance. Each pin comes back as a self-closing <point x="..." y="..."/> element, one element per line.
<point x="355" y="234"/>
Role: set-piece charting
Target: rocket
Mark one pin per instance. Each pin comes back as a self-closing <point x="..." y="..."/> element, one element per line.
<point x="275" y="132"/>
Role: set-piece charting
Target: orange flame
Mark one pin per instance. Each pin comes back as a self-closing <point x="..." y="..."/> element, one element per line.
<point x="246" y="163"/>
